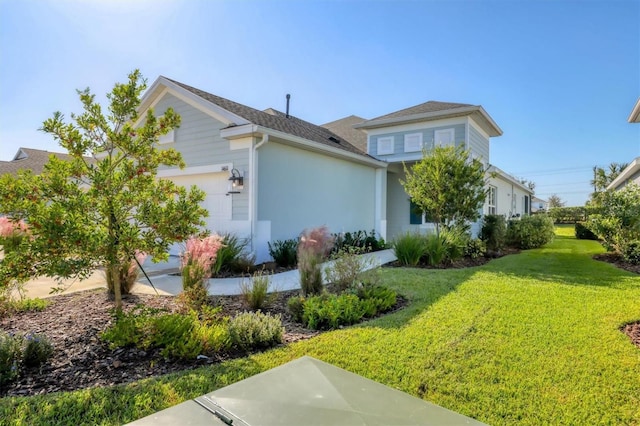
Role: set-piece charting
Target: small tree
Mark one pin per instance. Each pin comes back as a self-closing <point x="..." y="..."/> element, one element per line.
<point x="99" y="212"/>
<point x="555" y="201"/>
<point x="447" y="185"/>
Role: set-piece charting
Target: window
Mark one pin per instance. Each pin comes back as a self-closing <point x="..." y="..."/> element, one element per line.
<point x="443" y="137"/>
<point x="526" y="204"/>
<point x="385" y="145"/>
<point x="413" y="142"/>
<point x="417" y="216"/>
<point x="491" y="200"/>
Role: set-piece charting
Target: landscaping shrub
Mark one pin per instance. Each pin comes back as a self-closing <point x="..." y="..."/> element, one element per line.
<point x="314" y="246"/>
<point x="255" y="292"/>
<point x="329" y="311"/>
<point x="37" y="350"/>
<point x="454" y="241"/>
<point x="435" y="249"/>
<point x="177" y="335"/>
<point x="494" y="232"/>
<point x="409" y="248"/>
<point x="584" y="233"/>
<point x="195" y="266"/>
<point x="12" y="233"/>
<point x="129" y="273"/>
<point x="530" y="232"/>
<point x="359" y="240"/>
<point x="10" y="354"/>
<point x="631" y="251"/>
<point x="475" y="248"/>
<point x="230" y="257"/>
<point x="348" y="268"/>
<point x="295" y="306"/>
<point x="376" y="298"/>
<point x="284" y="252"/>
<point x="255" y="330"/>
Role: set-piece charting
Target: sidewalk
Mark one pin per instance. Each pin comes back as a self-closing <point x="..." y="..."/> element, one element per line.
<point x="166" y="283"/>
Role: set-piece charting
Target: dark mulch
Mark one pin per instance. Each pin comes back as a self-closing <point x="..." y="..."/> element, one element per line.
<point x="73" y="323"/>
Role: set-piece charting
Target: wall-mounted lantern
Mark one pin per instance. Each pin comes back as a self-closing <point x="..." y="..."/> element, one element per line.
<point x="237" y="182"/>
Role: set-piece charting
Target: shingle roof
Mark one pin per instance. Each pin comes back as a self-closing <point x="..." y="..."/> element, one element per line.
<point x="277" y="120"/>
<point x="344" y="128"/>
<point x="430" y="106"/>
<point x="29" y="158"/>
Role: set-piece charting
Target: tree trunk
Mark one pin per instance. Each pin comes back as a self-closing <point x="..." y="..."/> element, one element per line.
<point x="117" y="294"/>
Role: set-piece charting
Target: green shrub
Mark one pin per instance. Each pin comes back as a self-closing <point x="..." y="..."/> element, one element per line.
<point x="475" y="248"/>
<point x="127" y="328"/>
<point x="37" y="349"/>
<point x="584" y="233"/>
<point x="376" y="298"/>
<point x="435" y="249"/>
<point x="255" y="330"/>
<point x="358" y="240"/>
<point x="454" y="241"/>
<point x="10" y="357"/>
<point x="295" y="306"/>
<point x="494" y="232"/>
<point x="631" y="251"/>
<point x="230" y="256"/>
<point x="409" y="248"/>
<point x="530" y="232"/>
<point x="255" y="293"/>
<point x="348" y="268"/>
<point x="284" y="252"/>
<point x="329" y="311"/>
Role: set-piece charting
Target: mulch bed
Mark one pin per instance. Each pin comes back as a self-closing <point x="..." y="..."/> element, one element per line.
<point x="73" y="323"/>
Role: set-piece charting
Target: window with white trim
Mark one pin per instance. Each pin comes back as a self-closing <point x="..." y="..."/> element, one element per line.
<point x="413" y="142"/>
<point x="491" y="200"/>
<point x="443" y="137"/>
<point x="385" y="145"/>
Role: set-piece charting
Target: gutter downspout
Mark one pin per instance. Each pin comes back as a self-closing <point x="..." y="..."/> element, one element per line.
<point x="254" y="188"/>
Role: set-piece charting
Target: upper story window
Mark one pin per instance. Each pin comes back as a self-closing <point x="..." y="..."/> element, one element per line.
<point x="413" y="142"/>
<point x="385" y="145"/>
<point x="443" y="137"/>
<point x="491" y="200"/>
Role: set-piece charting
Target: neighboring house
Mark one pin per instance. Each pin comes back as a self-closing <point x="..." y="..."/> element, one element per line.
<point x="506" y="195"/>
<point x="31" y="159"/>
<point x="630" y="174"/>
<point x="538" y="205"/>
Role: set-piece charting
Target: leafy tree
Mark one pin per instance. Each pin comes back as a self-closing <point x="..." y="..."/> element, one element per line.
<point x="447" y="185"/>
<point x="529" y="184"/>
<point x="555" y="201"/>
<point x="603" y="177"/>
<point x="100" y="211"/>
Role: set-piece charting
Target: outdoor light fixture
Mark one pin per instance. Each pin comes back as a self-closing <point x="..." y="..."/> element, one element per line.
<point x="237" y="182"/>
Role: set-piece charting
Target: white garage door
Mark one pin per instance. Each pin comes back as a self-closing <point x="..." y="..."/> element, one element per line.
<point x="217" y="202"/>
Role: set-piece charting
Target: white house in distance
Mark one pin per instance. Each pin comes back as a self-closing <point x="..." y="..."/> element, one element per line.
<point x="538" y="205"/>
<point x="632" y="172"/>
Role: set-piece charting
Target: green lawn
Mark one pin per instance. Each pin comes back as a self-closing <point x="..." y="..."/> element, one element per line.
<point x="529" y="339"/>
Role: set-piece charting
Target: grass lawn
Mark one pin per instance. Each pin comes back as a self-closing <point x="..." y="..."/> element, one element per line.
<point x="531" y="338"/>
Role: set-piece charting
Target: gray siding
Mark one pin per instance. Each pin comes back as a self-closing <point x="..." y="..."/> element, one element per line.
<point x="478" y="144"/>
<point x="298" y="189"/>
<point x="198" y="140"/>
<point x="428" y="136"/>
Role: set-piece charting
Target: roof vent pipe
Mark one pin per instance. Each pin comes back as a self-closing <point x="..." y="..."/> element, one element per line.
<point x="288" y="98"/>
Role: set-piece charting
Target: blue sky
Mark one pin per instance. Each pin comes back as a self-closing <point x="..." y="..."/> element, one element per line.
<point x="559" y="77"/>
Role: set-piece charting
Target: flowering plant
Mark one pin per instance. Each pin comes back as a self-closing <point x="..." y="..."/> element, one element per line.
<point x="11" y="233"/>
<point x="197" y="259"/>
<point x="314" y="247"/>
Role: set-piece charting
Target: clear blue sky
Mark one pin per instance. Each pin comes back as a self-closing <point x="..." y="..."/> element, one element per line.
<point x="559" y="77"/>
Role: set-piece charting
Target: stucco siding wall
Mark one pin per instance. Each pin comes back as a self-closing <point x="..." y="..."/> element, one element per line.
<point x="509" y="198"/>
<point x="298" y="189"/>
<point x="428" y="137"/>
<point x="198" y="140"/>
<point x="635" y="178"/>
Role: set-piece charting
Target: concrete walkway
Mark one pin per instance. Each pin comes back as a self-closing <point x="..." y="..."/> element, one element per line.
<point x="165" y="281"/>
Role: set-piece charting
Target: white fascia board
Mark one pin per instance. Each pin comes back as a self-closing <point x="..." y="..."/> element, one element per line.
<point x="474" y="123"/>
<point x="195" y="170"/>
<point x="324" y="149"/>
<point x="634" y="117"/>
<point x="508" y="178"/>
<point x="412" y="127"/>
<point x="242" y="131"/>
<point x="162" y="86"/>
<point x="629" y="171"/>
